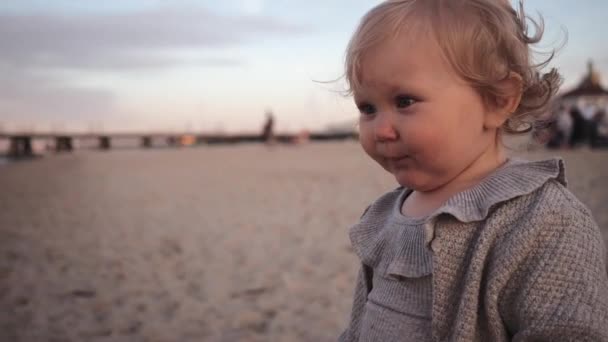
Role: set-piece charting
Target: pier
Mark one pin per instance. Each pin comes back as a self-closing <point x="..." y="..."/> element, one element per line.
<point x="20" y="143"/>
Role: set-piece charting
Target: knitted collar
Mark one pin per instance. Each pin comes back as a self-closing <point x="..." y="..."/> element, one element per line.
<point x="515" y="178"/>
<point x="384" y="235"/>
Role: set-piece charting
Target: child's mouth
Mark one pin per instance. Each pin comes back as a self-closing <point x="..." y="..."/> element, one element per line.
<point x="399" y="161"/>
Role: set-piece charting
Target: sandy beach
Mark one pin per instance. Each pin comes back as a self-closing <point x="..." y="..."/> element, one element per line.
<point x="227" y="243"/>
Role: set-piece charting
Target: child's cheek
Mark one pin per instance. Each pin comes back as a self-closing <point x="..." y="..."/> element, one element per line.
<point x="422" y="139"/>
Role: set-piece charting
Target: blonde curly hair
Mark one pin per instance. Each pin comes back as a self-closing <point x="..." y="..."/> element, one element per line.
<point x="484" y="41"/>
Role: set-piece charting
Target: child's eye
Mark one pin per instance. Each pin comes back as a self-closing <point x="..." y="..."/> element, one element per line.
<point x="366" y="109"/>
<point x="404" y="101"/>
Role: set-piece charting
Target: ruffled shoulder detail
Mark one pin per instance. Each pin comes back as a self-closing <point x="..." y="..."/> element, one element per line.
<point x="385" y="243"/>
<point x="400" y="247"/>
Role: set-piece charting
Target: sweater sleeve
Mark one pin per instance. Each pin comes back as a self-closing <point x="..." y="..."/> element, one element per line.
<point x="362" y="288"/>
<point x="560" y="290"/>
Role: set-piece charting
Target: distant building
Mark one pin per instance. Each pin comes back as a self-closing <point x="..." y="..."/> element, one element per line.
<point x="589" y="92"/>
<point x="582" y="115"/>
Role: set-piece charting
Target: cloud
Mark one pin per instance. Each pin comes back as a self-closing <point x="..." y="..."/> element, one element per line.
<point x="140" y="39"/>
<point x="252" y="6"/>
<point x="33" y="46"/>
<point x="24" y="96"/>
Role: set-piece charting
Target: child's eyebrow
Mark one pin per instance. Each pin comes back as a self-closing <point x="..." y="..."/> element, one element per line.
<point x="380" y="86"/>
<point x="406" y="89"/>
<point x="396" y="89"/>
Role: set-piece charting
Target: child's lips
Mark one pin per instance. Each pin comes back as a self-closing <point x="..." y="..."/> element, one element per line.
<point x="396" y="158"/>
<point x="399" y="161"/>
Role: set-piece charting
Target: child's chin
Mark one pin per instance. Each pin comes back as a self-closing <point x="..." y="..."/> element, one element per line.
<point x="409" y="181"/>
<point x="406" y="181"/>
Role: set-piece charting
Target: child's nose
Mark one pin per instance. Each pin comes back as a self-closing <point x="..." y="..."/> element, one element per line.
<point x="384" y="128"/>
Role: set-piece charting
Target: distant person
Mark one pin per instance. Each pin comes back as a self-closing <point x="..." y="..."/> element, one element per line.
<point x="564" y="126"/>
<point x="579" y="127"/>
<point x="473" y="245"/>
<point x="267" y="130"/>
<point x="599" y="129"/>
<point x="588" y="111"/>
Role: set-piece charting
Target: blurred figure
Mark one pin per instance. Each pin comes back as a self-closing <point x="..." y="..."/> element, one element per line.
<point x="267" y="131"/>
<point x="563" y="127"/>
<point x="588" y="110"/>
<point x="579" y="127"/>
<point x="599" y="129"/>
<point x="302" y="137"/>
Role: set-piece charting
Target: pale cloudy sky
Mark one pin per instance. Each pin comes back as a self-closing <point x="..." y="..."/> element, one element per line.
<point x="209" y="64"/>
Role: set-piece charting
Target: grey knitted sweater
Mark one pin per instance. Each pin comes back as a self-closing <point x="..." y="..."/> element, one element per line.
<point x="516" y="257"/>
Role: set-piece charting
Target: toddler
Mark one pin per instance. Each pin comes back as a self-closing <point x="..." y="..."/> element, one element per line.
<point x="473" y="245"/>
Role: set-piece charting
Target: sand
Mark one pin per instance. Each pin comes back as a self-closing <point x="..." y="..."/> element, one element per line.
<point x="233" y="243"/>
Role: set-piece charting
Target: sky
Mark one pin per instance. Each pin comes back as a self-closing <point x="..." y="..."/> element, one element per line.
<point x="211" y="66"/>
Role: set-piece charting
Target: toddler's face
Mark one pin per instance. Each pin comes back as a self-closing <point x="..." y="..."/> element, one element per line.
<point x="418" y="120"/>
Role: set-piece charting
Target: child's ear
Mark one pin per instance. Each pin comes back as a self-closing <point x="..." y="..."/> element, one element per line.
<point x="502" y="107"/>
